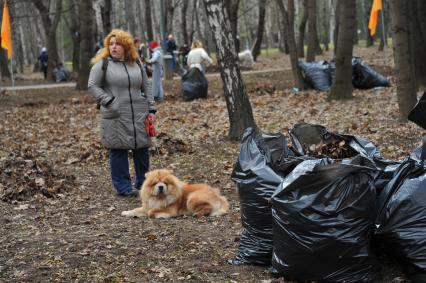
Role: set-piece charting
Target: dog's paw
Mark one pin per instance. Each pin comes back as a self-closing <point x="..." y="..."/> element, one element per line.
<point x="127" y="213"/>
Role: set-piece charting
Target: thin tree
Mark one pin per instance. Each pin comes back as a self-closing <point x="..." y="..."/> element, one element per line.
<point x="302" y="27"/>
<point x="184" y="23"/>
<point x="312" y="30"/>
<point x="260" y="28"/>
<point x="73" y="24"/>
<point x="50" y="25"/>
<point x="86" y="43"/>
<point x="238" y="104"/>
<point x="287" y="23"/>
<point x="148" y="20"/>
<point x="342" y="87"/>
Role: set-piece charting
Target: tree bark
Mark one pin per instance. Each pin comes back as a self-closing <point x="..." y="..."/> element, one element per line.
<point x="148" y="20"/>
<point x="291" y="41"/>
<point x="260" y="28"/>
<point x="342" y="87"/>
<point x="406" y="85"/>
<point x="302" y="27"/>
<point x="238" y="104"/>
<point x="312" y="29"/>
<point x="366" y="18"/>
<point x="86" y="43"/>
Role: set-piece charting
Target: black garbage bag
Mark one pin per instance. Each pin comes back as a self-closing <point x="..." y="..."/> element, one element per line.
<point x="305" y="135"/>
<point x="256" y="182"/>
<point x="323" y="217"/>
<point x="401" y="218"/>
<point x="317" y="74"/>
<point x="194" y="85"/>
<point x="364" y="77"/>
<point x="418" y="113"/>
<point x="60" y="74"/>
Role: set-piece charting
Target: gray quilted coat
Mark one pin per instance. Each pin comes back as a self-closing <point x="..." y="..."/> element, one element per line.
<point x="123" y="106"/>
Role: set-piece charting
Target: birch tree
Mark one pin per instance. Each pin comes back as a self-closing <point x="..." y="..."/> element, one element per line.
<point x="238" y="104"/>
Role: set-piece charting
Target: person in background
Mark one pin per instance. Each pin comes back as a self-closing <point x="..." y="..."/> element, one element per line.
<point x="183" y="55"/>
<point x="171" y="48"/>
<point x="156" y="62"/>
<point x="125" y="99"/>
<point x="198" y="57"/>
<point x="43" y="58"/>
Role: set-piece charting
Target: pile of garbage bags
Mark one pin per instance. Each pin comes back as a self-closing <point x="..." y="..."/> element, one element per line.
<point x="320" y="75"/>
<point x="314" y="209"/>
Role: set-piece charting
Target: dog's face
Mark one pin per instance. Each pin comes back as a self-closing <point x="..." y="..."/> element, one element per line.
<point x="162" y="186"/>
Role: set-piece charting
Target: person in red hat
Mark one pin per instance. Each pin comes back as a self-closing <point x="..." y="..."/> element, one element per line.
<point x="157" y="71"/>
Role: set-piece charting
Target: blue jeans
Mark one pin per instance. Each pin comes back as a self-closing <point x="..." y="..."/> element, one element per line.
<point x="119" y="168"/>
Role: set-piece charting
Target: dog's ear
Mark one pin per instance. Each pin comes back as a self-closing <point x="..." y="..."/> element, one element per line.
<point x="147" y="174"/>
<point x="170" y="171"/>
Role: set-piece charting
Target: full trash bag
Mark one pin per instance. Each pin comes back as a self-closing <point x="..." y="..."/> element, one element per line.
<point x="256" y="182"/>
<point x="401" y="221"/>
<point x="317" y="74"/>
<point x="194" y="85"/>
<point x="323" y="216"/>
<point x="60" y="74"/>
<point x="418" y="113"/>
<point x="364" y="77"/>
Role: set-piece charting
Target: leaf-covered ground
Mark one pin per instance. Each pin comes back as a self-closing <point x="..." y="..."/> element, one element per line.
<point x="60" y="219"/>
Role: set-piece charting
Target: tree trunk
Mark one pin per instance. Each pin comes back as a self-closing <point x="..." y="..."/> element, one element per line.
<point x="342" y="87"/>
<point x="260" y="27"/>
<point x="86" y="43"/>
<point x="291" y="41"/>
<point x="50" y="26"/>
<point x="184" y="23"/>
<point x="74" y="28"/>
<point x="106" y="17"/>
<point x="232" y="9"/>
<point x="238" y="104"/>
<point x="302" y="27"/>
<point x="148" y="20"/>
<point x="402" y="50"/>
<point x="337" y="24"/>
<point x="312" y="29"/>
<point x="366" y="9"/>
<point x="419" y="37"/>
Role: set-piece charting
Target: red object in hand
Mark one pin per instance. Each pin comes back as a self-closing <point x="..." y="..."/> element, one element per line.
<point x="150" y="125"/>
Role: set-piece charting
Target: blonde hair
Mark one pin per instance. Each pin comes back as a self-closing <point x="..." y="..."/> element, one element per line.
<point x="196" y="44"/>
<point x="123" y="38"/>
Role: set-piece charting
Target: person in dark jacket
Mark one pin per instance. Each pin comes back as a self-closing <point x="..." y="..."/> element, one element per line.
<point x="171" y="48"/>
<point x="43" y="58"/>
<point x="124" y="95"/>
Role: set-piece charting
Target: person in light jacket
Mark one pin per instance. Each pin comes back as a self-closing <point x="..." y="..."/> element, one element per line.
<point x="198" y="57"/>
<point x="156" y="62"/>
<point x="123" y="92"/>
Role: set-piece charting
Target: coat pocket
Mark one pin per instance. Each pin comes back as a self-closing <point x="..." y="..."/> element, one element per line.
<point x="111" y="111"/>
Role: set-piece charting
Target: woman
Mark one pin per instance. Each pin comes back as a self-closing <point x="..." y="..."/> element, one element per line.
<point x="157" y="71"/>
<point x="198" y="57"/>
<point x="124" y="95"/>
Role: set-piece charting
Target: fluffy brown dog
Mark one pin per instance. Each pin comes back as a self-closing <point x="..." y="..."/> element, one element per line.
<point x="164" y="195"/>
